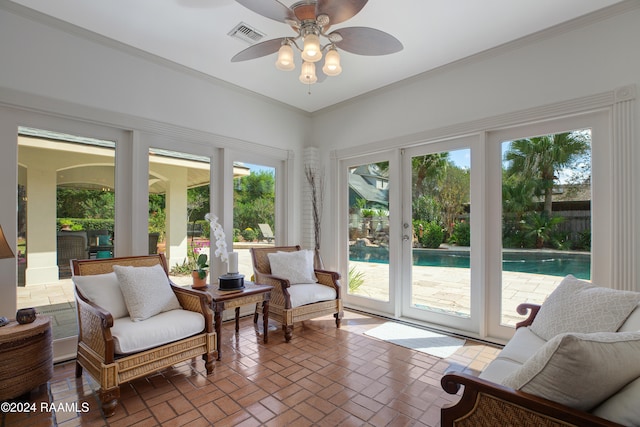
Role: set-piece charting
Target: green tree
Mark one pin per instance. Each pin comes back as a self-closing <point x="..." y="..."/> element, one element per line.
<point x="540" y="159"/>
<point x="454" y="193"/>
<point x="85" y="203"/>
<point x="254" y="200"/>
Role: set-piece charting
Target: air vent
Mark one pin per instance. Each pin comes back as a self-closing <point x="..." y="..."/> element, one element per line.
<point x="246" y="33"/>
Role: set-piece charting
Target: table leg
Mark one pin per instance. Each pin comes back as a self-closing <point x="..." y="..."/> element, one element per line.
<point x="265" y="320"/>
<point x="237" y="320"/>
<point x="217" y="323"/>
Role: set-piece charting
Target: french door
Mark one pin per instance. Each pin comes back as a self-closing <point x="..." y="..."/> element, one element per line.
<point x="440" y="235"/>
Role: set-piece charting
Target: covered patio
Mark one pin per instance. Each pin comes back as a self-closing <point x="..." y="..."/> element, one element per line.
<point x="50" y="161"/>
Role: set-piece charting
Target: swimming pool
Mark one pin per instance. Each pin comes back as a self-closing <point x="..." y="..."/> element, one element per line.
<point x="552" y="263"/>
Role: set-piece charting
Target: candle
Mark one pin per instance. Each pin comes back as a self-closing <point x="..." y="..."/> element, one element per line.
<point x="233" y="263"/>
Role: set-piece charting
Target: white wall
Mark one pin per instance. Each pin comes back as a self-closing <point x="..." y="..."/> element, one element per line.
<point x="570" y="64"/>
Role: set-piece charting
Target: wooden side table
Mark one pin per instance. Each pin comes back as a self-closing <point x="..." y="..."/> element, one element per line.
<point x="251" y="294"/>
<point x="26" y="357"/>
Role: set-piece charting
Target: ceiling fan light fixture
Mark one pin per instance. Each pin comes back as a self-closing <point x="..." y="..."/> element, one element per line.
<point x="332" y="63"/>
<point x="308" y="73"/>
<point x="311" y="51"/>
<point x="285" y="58"/>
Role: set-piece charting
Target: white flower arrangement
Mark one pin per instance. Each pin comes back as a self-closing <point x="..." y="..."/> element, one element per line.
<point x="218" y="233"/>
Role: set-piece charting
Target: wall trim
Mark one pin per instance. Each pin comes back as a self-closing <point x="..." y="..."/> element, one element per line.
<point x="555" y="110"/>
<point x="73" y="111"/>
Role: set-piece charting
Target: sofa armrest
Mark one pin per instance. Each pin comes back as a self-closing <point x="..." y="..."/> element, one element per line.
<point x="94" y="325"/>
<point x="484" y="403"/>
<point x="522" y="310"/>
<point x="198" y="301"/>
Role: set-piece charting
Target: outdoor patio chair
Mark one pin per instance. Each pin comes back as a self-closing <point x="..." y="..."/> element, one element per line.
<point x="70" y="245"/>
<point x="153" y="243"/>
<point x="300" y="292"/>
<point x="267" y="233"/>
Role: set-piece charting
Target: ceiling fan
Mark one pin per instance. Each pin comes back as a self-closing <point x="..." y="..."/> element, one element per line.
<point x="311" y="20"/>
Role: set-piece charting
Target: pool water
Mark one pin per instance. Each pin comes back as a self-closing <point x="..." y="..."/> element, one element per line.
<point x="552" y="263"/>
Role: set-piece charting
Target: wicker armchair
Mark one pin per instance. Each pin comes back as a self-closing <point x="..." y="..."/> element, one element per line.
<point x="280" y="306"/>
<point x="96" y="347"/>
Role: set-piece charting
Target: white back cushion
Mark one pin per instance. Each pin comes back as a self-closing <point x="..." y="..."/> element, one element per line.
<point x="579" y="306"/>
<point x="104" y="291"/>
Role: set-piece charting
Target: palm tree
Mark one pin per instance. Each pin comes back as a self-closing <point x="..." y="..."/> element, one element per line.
<point x="538" y="159"/>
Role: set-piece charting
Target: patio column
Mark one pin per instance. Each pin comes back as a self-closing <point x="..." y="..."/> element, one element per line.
<point x="176" y="209"/>
<point x="42" y="264"/>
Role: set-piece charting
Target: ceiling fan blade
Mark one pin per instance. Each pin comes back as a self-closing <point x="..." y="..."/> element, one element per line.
<point x="367" y="41"/>
<point x="258" y="50"/>
<point x="271" y="9"/>
<point x="339" y="10"/>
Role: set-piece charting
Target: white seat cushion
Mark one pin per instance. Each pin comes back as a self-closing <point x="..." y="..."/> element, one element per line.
<point x="307" y="293"/>
<point x="522" y="346"/>
<point x="499" y="369"/>
<point x="163" y="328"/>
<point x="622" y="407"/>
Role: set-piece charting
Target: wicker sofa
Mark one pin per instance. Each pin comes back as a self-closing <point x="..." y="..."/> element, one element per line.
<point x="114" y="345"/>
<point x="572" y="362"/>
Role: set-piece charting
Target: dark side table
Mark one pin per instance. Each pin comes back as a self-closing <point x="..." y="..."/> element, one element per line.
<point x="26" y="357"/>
<point x="223" y="300"/>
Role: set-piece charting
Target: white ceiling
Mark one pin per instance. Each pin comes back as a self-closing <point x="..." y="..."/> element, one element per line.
<point x="434" y="33"/>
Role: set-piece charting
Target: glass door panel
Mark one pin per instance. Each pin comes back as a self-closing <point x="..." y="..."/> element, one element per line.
<point x="368" y="216"/>
<point x="254" y="218"/>
<point x="440" y="232"/>
<point x="178" y="202"/>
<point x="546" y="216"/>
<point x="66" y="210"/>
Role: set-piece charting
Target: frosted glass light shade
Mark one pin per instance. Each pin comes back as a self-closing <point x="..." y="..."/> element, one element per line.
<point x="332" y="63"/>
<point x="311" y="51"/>
<point x="285" y="58"/>
<point x="308" y="73"/>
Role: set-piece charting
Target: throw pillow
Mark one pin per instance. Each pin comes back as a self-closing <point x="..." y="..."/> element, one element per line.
<point x="146" y="291"/>
<point x="296" y="266"/>
<point x="580" y="370"/>
<point x="104" y="291"/>
<point x="579" y="306"/>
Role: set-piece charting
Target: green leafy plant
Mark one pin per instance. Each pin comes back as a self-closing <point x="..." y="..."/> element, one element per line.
<point x="356" y="279"/>
<point x="201" y="265"/>
<point x="540" y="226"/>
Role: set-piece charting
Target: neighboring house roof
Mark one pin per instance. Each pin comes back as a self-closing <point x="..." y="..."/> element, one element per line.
<point x="367" y="191"/>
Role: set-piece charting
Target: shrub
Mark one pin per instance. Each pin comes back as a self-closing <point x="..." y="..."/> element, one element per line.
<point x="430" y="234"/>
<point x="461" y="234"/>
<point x="249" y="234"/>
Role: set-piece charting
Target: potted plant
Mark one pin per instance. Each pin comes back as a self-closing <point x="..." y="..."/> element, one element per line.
<point x="199" y="273"/>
